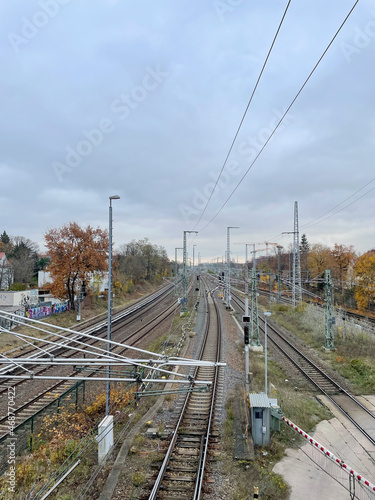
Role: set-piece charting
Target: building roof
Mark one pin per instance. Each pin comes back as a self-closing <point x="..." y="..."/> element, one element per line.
<point x="7" y="263"/>
<point x="259" y="400"/>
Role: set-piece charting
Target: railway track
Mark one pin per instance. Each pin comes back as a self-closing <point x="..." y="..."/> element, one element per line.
<point x="318" y="301"/>
<point x="49" y="394"/>
<point x="96" y="328"/>
<point x="182" y="471"/>
<point x="340" y="397"/>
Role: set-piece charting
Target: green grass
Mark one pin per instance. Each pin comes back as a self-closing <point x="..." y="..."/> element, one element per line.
<point x="355" y="350"/>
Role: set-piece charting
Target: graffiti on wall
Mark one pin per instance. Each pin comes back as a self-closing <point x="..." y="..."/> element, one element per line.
<point x="42" y="311"/>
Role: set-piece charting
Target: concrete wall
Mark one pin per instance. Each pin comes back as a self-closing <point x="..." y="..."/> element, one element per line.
<point x="21" y="298"/>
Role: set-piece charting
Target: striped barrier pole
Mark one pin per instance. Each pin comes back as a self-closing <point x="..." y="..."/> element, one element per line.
<point x="331" y="456"/>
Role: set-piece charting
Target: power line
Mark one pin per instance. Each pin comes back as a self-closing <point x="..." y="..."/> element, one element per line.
<point x="310" y="224"/>
<point x="343" y="208"/>
<point x="336" y="206"/>
<point x="243" y="117"/>
<point x="281" y="119"/>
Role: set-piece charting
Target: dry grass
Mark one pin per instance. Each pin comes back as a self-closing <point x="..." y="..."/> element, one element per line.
<point x="355" y="349"/>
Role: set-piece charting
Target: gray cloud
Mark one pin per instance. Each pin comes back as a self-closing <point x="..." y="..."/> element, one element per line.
<point x="169" y="143"/>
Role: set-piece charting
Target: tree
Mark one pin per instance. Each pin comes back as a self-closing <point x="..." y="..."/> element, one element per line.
<point x="320" y="258"/>
<point x="344" y="258"/>
<point x="5" y="238"/>
<point x="75" y="253"/>
<point x="23" y="256"/>
<point x="365" y="273"/>
<point x="304" y="254"/>
<point x="43" y="262"/>
<point x="140" y="259"/>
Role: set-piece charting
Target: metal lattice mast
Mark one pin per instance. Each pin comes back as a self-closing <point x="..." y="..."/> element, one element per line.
<point x="296" y="258"/>
<point x="279" y="247"/>
<point x="254" y="336"/>
<point x="184" y="279"/>
<point x="176" y="269"/>
<point x="329" y="318"/>
<point x="254" y="259"/>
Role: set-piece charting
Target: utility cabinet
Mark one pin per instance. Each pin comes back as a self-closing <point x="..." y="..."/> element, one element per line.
<point x="276" y="417"/>
<point x="260" y="407"/>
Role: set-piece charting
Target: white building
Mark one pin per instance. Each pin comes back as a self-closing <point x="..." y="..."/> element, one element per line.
<point x="6" y="272"/>
<point x="98" y="281"/>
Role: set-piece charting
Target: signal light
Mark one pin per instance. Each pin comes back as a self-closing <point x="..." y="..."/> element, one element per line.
<point x="246" y="335"/>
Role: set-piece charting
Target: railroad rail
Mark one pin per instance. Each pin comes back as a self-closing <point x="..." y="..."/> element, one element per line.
<point x="182" y="471"/>
<point x="338" y="396"/>
<point x="46" y="396"/>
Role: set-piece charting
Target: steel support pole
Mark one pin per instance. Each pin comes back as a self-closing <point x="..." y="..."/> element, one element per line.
<point x="108" y="385"/>
<point x="228" y="270"/>
<point x="266" y="315"/>
<point x="246" y="283"/>
<point x="175" y="271"/>
<point x="228" y="305"/>
<point x="184" y="307"/>
<point x="254" y="336"/>
<point x="194" y="273"/>
<point x="184" y="279"/>
<point x="297" y="253"/>
<point x="247" y="370"/>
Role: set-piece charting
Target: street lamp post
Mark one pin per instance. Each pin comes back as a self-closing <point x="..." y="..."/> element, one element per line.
<point x="194" y="273"/>
<point x="184" y="279"/>
<point x="108" y="386"/>
<point x="228" y="264"/>
<point x="266" y="315"/>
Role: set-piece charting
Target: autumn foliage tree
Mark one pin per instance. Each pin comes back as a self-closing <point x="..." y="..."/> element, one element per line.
<point x="75" y="253"/>
<point x="365" y="273"/>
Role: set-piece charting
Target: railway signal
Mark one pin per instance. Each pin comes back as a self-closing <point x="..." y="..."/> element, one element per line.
<point x="246" y="334"/>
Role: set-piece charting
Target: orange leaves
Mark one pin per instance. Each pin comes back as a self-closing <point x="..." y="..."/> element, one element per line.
<point x="365" y="273"/>
<point x="75" y="253"/>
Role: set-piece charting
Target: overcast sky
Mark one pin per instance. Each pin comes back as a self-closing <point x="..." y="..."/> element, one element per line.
<point x="143" y="99"/>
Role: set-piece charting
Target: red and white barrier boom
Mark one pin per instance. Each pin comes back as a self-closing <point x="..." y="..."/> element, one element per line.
<point x="330" y="455"/>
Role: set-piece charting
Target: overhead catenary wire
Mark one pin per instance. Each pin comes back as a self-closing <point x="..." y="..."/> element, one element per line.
<point x="339" y="204"/>
<point x="310" y="224"/>
<point x="283" y="116"/>
<point x="244" y="115"/>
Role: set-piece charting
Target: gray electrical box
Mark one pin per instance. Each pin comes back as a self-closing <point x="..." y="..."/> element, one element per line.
<point x="276" y="417"/>
<point x="260" y="418"/>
